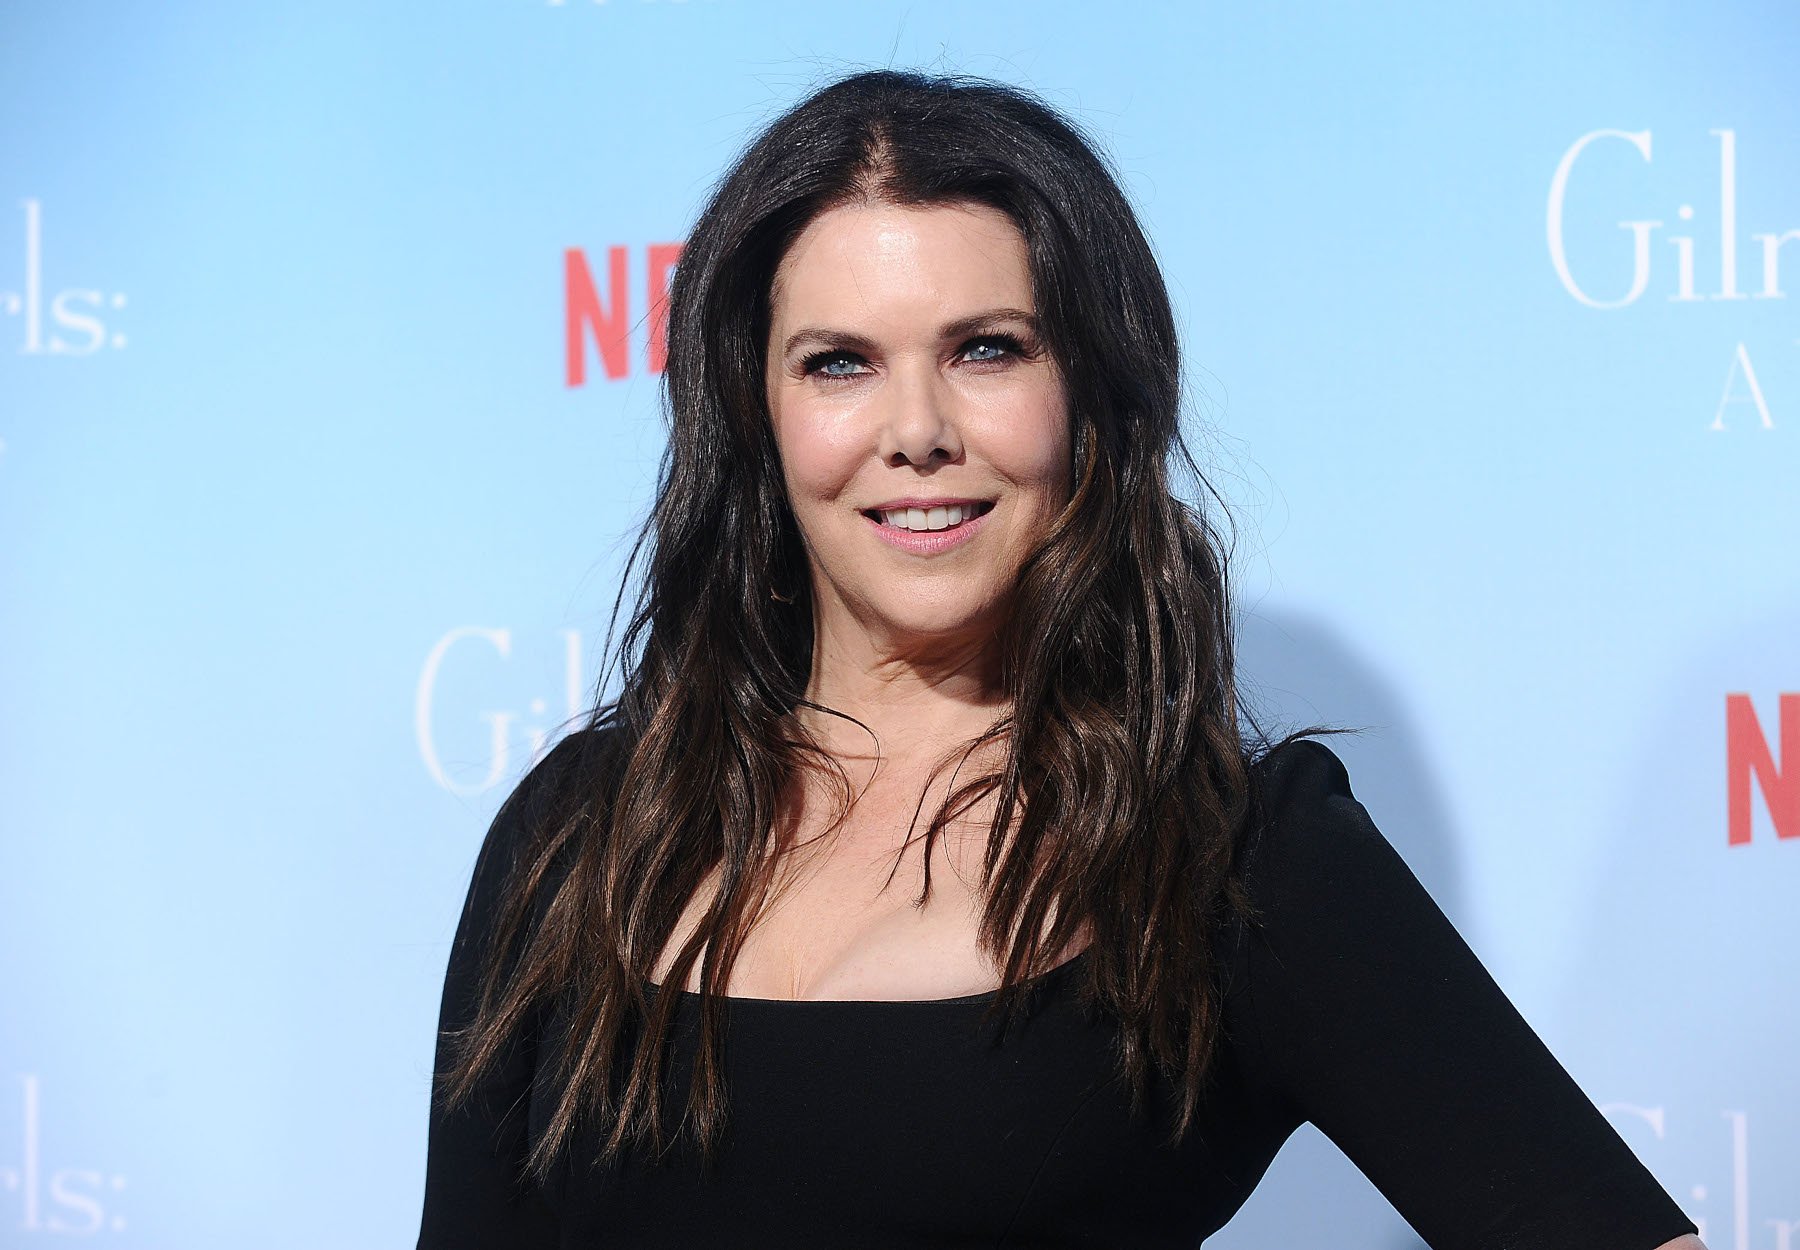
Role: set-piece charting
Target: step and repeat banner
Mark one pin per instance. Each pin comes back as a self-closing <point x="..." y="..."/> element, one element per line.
<point x="329" y="368"/>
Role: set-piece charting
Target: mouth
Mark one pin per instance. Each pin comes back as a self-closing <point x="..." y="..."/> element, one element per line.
<point x="935" y="520"/>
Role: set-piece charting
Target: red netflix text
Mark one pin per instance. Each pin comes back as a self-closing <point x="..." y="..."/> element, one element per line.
<point x="608" y="322"/>
<point x="1750" y="763"/>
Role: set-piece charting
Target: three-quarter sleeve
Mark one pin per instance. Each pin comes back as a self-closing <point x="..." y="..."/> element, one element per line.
<point x="476" y="1192"/>
<point x="1381" y="1026"/>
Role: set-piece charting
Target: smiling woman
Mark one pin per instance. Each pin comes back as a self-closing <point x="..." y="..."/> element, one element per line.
<point x="918" y="515"/>
<point x="909" y="380"/>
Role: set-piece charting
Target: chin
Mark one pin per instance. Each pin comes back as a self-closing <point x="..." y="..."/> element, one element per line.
<point x="934" y="616"/>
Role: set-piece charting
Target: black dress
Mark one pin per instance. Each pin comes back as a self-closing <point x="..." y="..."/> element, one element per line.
<point x="1355" y="1006"/>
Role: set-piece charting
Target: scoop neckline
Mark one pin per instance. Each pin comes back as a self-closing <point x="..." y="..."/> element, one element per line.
<point x="982" y="996"/>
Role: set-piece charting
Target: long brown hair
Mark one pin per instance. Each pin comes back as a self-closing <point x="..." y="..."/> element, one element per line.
<point x="1125" y="777"/>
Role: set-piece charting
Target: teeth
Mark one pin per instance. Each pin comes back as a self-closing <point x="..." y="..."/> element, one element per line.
<point x="927" y="519"/>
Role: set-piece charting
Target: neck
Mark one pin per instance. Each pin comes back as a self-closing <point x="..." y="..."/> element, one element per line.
<point x="918" y="696"/>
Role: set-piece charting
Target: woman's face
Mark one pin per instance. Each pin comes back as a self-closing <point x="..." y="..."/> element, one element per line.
<point x="908" y="385"/>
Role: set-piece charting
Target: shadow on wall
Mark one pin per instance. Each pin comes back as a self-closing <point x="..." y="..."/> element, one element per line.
<point x="1677" y="995"/>
<point x="1296" y="671"/>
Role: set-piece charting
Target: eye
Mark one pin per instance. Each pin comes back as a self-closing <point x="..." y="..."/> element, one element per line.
<point x="841" y="364"/>
<point x="1001" y="345"/>
<point x="825" y="364"/>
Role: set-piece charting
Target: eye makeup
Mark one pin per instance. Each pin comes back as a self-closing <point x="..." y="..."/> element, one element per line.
<point x="1014" y="347"/>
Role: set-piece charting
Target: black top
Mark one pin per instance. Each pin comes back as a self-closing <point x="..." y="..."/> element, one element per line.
<point x="1355" y="1006"/>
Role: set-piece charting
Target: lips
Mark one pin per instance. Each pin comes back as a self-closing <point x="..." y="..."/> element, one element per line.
<point x="929" y="516"/>
<point x="931" y="542"/>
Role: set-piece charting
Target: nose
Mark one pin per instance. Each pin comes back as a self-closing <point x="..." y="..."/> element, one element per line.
<point x="918" y="421"/>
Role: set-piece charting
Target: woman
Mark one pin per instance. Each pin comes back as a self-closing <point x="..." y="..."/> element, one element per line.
<point x="916" y="553"/>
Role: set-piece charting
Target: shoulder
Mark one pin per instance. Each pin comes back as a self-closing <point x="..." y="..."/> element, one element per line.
<point x="516" y="871"/>
<point x="1299" y="794"/>
<point x="1310" y="845"/>
<point x="1299" y="772"/>
<point x="575" y="772"/>
<point x="551" y="791"/>
<point x="553" y="775"/>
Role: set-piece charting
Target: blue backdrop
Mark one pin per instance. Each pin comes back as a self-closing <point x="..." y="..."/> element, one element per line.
<point x="311" y="519"/>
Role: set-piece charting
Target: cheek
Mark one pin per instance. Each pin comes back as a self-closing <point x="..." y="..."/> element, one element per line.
<point x="1036" y="443"/>
<point x="817" y="455"/>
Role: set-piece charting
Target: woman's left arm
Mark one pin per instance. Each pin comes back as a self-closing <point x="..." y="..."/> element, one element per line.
<point x="1378" y="1024"/>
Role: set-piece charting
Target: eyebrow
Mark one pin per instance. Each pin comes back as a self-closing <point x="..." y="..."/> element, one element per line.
<point x="962" y="327"/>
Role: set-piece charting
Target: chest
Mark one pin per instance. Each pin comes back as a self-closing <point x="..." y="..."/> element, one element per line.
<point x="849" y="915"/>
<point x="910" y="1125"/>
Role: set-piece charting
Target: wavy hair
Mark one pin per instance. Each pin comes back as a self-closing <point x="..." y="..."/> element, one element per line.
<point x="1124" y="783"/>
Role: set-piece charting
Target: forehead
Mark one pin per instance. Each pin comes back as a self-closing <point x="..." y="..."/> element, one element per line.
<point x="888" y="260"/>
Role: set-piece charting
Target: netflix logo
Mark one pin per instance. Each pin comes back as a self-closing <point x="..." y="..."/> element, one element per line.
<point x="599" y="311"/>
<point x="1751" y="768"/>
